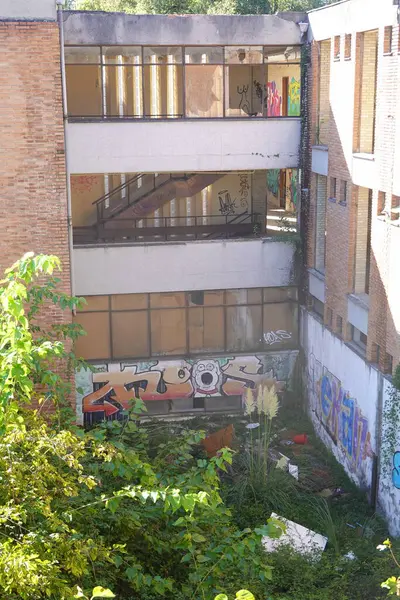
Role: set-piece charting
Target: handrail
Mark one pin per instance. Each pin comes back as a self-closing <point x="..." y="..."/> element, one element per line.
<point x="117" y="189"/>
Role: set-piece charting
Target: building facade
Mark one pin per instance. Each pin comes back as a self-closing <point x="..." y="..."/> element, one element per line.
<point x="351" y="321"/>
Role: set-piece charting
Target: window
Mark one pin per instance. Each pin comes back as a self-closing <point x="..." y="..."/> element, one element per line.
<point x="388" y="364"/>
<point x="329" y="317"/>
<point x="343" y="193"/>
<point x="363" y="241"/>
<point x="333" y="188"/>
<point x="347" y="46"/>
<point x="387" y="39"/>
<point x="339" y="325"/>
<point x="317" y="306"/>
<point x="395" y="209"/>
<point x="359" y="338"/>
<point x="376" y="351"/>
<point x="336" y="47"/>
<point x="320" y="230"/>
<point x="183" y="82"/>
<point x="364" y="131"/>
<point x="128" y="326"/>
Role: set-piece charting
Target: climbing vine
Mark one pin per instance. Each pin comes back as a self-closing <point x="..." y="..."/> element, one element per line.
<point x="391" y="420"/>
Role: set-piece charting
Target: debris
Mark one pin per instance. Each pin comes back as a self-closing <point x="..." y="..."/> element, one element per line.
<point x="301" y="438"/>
<point x="294" y="471"/>
<point x="301" y="539"/>
<point x="220" y="439"/>
<point x="286" y="442"/>
<point x="326" y="493"/>
<point x="350" y="555"/>
<point x="283" y="462"/>
<point x="252" y="425"/>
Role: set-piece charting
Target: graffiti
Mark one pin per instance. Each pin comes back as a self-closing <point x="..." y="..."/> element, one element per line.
<point x="244" y="188"/>
<point x="83" y="183"/>
<point x="396" y="470"/>
<point x="293" y="186"/>
<point x="339" y="414"/>
<point x="244" y="103"/>
<point x="273" y="181"/>
<point x="274" y="100"/>
<point x="294" y="98"/>
<point x="275" y="337"/>
<point x="227" y="206"/>
<point x="109" y="391"/>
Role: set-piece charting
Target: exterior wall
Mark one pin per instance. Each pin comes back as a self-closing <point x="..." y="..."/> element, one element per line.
<point x="190" y="30"/>
<point x="169" y="386"/>
<point x="27" y="9"/>
<point x="184" y="146"/>
<point x="33" y="208"/>
<point x="202" y="265"/>
<point x="343" y="398"/>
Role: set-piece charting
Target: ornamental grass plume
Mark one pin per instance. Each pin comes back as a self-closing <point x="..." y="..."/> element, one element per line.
<point x="249" y="402"/>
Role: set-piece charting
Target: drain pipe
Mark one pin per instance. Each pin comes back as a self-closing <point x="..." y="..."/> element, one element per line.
<point x="60" y="4"/>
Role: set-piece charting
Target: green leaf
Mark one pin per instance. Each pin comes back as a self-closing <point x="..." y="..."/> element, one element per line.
<point x="100" y="592"/>
<point x="198" y="538"/>
<point x="244" y="595"/>
<point x="202" y="559"/>
<point x="221" y="597"/>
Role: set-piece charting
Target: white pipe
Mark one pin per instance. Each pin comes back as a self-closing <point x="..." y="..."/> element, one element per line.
<point x="67" y="171"/>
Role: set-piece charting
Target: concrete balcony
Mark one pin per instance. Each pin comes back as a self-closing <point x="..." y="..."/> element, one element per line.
<point x="173" y="266"/>
<point x="319" y="160"/>
<point x="365" y="171"/>
<point x="188" y="145"/>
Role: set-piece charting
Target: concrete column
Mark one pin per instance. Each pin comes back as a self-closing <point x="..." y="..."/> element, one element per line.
<point x="137" y="89"/>
<point x="204" y="205"/>
<point x="155" y="88"/>
<point x="172" y="88"/>
<point x="258" y="196"/>
<point x="188" y="212"/>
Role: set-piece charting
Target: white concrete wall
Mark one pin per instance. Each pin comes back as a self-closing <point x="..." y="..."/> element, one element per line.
<point x="183" y="146"/>
<point x="319" y="160"/>
<point x="350" y="16"/>
<point x="202" y="265"/>
<point x="365" y="172"/>
<point x="28" y="9"/>
<point x="342" y="399"/>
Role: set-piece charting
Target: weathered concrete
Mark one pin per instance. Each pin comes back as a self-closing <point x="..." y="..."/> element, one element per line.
<point x="84" y="27"/>
<point x="38" y="10"/>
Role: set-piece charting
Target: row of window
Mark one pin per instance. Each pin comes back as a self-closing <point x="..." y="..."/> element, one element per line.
<point x="141" y="82"/>
<point x="187" y="323"/>
<point x="388" y="44"/>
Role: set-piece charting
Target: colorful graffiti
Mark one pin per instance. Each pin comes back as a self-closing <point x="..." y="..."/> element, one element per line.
<point x="294" y="98"/>
<point x="108" y="392"/>
<point x="396" y="470"/>
<point x="273" y="181"/>
<point x="339" y="414"/>
<point x="293" y="186"/>
<point x="274" y="100"/>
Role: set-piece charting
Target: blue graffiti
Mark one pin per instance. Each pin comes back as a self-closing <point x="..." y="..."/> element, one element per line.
<point x="346" y="425"/>
<point x="326" y="397"/>
<point x="396" y="470"/>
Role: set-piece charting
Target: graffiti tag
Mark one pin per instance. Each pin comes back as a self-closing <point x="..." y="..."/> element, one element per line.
<point x="227" y="206"/>
<point x="244" y="188"/>
<point x="275" y="337"/>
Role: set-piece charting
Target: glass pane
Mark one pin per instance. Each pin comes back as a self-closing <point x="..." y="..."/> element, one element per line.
<point x="167" y="299"/>
<point x="282" y="54"/>
<point x="122" y="54"/>
<point x="95" y="303"/>
<point x="280" y="294"/>
<point x="83" y="90"/>
<point x="204" y="55"/>
<point x="243" y="296"/>
<point x="200" y="298"/>
<point x="123" y="91"/>
<point x="204" y="91"/>
<point x="243" y="55"/>
<point x="130" y="334"/>
<point x="206" y="329"/>
<point x="128" y="301"/>
<point x="243" y="328"/>
<point x="283" y="90"/>
<point x="96" y="343"/>
<point x="82" y="54"/>
<point x="280" y="325"/>
<point x="162" y="55"/>
<point x="168" y="331"/>
<point x="244" y="95"/>
<point x="163" y="91"/>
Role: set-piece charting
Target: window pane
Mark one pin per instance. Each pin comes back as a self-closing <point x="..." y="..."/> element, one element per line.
<point x="205" y="55"/>
<point x="123" y="54"/>
<point x="167" y="299"/>
<point x="204" y="91"/>
<point x="123" y="90"/>
<point x="206" y="329"/>
<point x="163" y="90"/>
<point x="130" y="334"/>
<point x="82" y="54"/>
<point x="128" y="301"/>
<point x="280" y="325"/>
<point x="162" y="55"/>
<point x="283" y="90"/>
<point x="96" y="343"/>
<point x="243" y="90"/>
<point x="83" y="90"/>
<point x="243" y="296"/>
<point x="168" y="331"/>
<point x="283" y="54"/>
<point x="95" y="303"/>
<point x="279" y="294"/>
<point x="243" y="328"/>
<point x="243" y="55"/>
<point x="200" y="298"/>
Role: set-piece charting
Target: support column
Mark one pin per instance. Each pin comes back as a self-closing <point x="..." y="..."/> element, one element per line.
<point x="172" y="88"/>
<point x="155" y="88"/>
<point x="137" y="83"/>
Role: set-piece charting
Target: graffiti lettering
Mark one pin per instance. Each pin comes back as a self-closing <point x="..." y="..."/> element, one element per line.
<point x="396" y="470"/>
<point x="244" y="190"/>
<point x="275" y="337"/>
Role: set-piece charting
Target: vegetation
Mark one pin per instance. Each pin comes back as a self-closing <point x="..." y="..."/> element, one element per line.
<point x="243" y="7"/>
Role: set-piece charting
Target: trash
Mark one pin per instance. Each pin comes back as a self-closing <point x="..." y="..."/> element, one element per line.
<point x="350" y="555"/>
<point x="294" y="471"/>
<point x="301" y="438"/>
<point x="283" y="462"/>
<point x="220" y="439"/>
<point x="301" y="539"/>
<point x="286" y="442"/>
<point x="252" y="425"/>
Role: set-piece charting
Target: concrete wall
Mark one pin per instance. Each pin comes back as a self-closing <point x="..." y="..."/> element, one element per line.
<point x="40" y="10"/>
<point x="192" y="30"/>
<point x="342" y="399"/>
<point x="183" y="146"/>
<point x="171" y="385"/>
<point x="351" y="15"/>
<point x="202" y="265"/>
